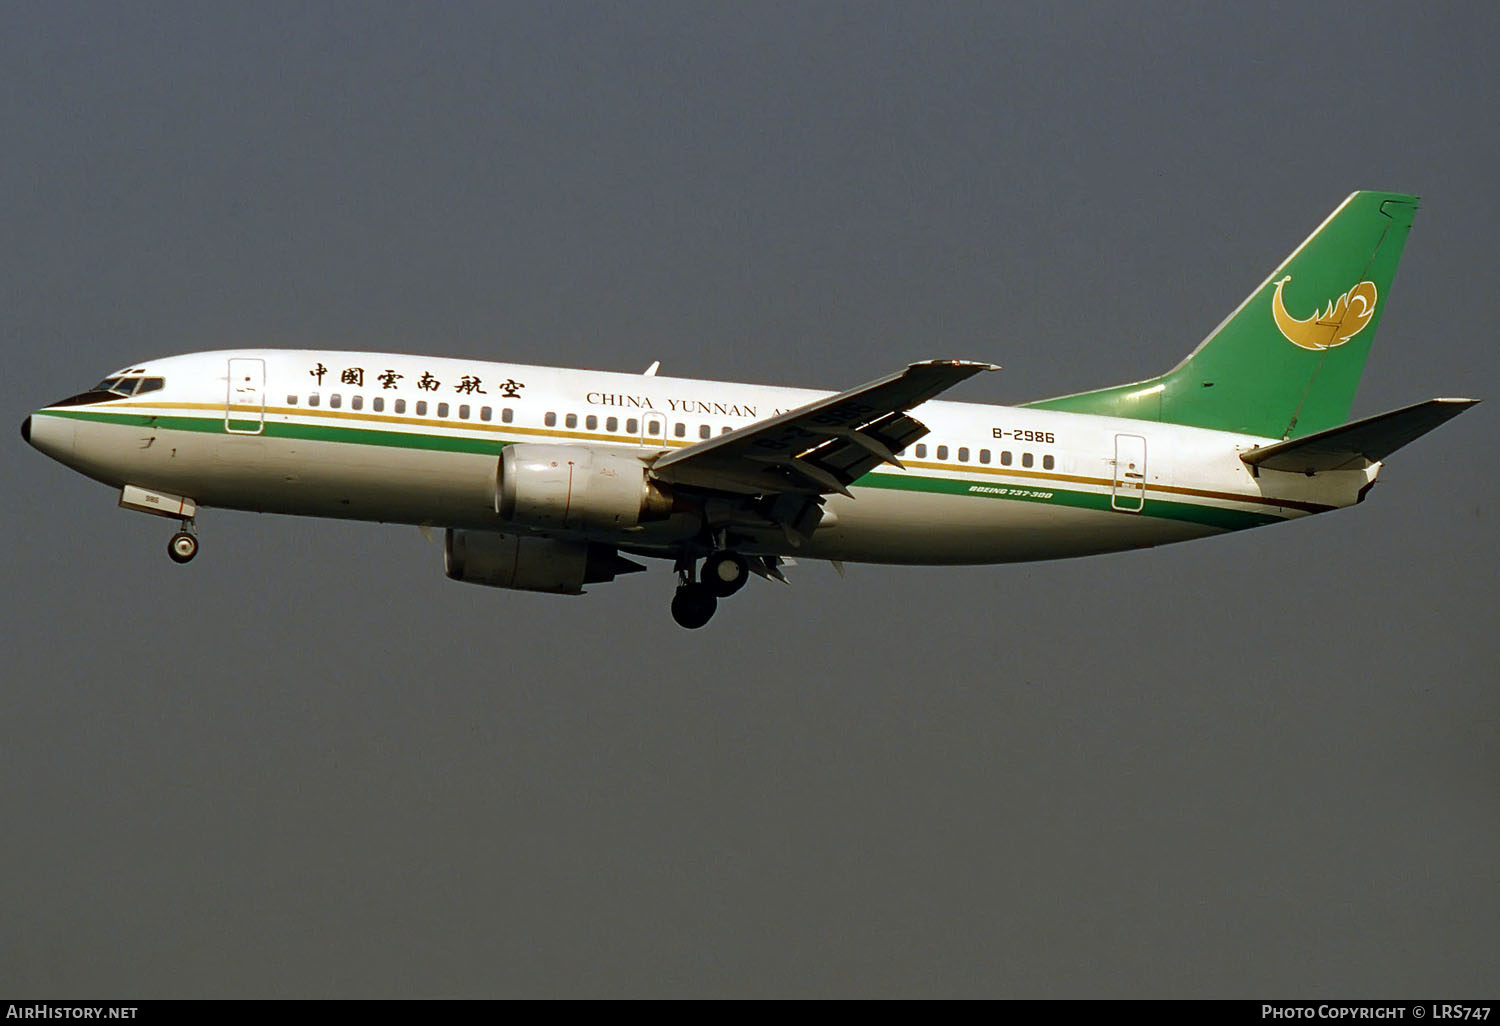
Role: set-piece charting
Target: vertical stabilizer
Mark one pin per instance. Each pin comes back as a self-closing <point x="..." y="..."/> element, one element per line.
<point x="1287" y="361"/>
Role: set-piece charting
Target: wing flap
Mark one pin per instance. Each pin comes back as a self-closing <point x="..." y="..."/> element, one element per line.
<point x="824" y="446"/>
<point x="1356" y="445"/>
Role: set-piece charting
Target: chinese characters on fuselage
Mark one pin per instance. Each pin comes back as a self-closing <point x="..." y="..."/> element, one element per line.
<point x="467" y="384"/>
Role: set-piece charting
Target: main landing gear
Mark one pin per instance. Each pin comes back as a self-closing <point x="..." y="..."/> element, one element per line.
<point x="724" y="573"/>
<point x="693" y="605"/>
<point x="184" y="544"/>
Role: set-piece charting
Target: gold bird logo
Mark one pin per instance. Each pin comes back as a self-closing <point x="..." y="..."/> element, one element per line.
<point x="1344" y="318"/>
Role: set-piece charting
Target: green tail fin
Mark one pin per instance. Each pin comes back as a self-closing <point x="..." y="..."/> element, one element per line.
<point x="1287" y="361"/>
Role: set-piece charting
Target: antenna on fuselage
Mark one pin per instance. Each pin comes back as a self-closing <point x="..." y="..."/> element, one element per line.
<point x="651" y="370"/>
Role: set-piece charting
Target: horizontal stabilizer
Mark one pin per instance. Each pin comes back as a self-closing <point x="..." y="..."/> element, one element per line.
<point x="1357" y="445"/>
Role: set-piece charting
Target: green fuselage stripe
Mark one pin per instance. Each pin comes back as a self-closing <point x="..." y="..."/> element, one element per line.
<point x="1212" y="516"/>
<point x="305" y="432"/>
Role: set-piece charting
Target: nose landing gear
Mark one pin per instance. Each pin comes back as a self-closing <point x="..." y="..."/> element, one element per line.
<point x="183" y="545"/>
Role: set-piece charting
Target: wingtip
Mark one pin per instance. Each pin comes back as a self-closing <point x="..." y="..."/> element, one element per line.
<point x="974" y="365"/>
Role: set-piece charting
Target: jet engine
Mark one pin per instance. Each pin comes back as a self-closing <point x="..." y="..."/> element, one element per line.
<point x="530" y="564"/>
<point x="574" y="487"/>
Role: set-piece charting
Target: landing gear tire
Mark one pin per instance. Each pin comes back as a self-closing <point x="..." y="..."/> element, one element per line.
<point x="693" y="606"/>
<point x="725" y="573"/>
<point x="183" y="547"/>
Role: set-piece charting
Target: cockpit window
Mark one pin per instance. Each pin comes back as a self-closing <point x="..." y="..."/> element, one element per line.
<point x="126" y="385"/>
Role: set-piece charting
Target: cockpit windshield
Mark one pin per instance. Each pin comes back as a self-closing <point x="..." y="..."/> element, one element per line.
<point x="129" y="384"/>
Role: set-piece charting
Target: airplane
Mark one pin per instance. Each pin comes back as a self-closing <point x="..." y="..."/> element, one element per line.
<point x="549" y="479"/>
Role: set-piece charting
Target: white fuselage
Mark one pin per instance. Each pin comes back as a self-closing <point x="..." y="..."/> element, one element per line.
<point x="416" y="439"/>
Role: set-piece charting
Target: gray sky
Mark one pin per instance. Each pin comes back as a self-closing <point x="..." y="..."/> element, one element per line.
<point x="308" y="765"/>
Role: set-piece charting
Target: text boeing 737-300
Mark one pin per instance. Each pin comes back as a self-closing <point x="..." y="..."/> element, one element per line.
<point x="546" y="479"/>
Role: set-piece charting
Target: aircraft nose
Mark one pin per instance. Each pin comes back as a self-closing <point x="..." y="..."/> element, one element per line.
<point x="53" y="436"/>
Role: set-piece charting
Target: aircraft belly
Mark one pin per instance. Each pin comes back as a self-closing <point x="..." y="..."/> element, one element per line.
<point x="890" y="526"/>
<point x="368" y="482"/>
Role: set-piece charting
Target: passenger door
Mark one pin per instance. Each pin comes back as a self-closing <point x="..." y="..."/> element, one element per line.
<point x="1128" y="493"/>
<point x="245" y="403"/>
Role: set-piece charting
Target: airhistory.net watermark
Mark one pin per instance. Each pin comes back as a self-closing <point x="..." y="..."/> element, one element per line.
<point x="47" y="1010"/>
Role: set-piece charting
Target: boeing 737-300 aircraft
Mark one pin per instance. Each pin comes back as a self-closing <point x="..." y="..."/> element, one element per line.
<point x="546" y="479"/>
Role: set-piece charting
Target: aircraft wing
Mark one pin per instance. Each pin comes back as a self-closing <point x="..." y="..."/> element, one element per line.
<point x="822" y="447"/>
<point x="1357" y="445"/>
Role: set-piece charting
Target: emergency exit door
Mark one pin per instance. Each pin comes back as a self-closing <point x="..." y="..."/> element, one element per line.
<point x="654" y="429"/>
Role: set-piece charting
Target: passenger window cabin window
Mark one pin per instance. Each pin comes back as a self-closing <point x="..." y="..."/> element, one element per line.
<point x="679" y="429"/>
<point x="963" y="455"/>
<point x="704" y="431"/>
<point x="357" y="402"/>
<point x="312" y="400"/>
<point x="400" y="405"/>
<point x="463" y="412"/>
<point x="942" y="452"/>
<point x="612" y="424"/>
<point x="550" y="419"/>
<point x="421" y="407"/>
<point x="507" y="414"/>
<point x="1026" y="459"/>
<point x="442" y="409"/>
<point x="591" y="422"/>
<point x="632" y="426"/>
<point x="1047" y="462"/>
<point x="291" y="400"/>
<point x="485" y="413"/>
<point x="335" y="401"/>
<point x="922" y="451"/>
<point x="984" y="455"/>
<point x="571" y="420"/>
<point x="378" y="404"/>
<point x="1005" y="458"/>
<point x="726" y="429"/>
<point x="653" y="427"/>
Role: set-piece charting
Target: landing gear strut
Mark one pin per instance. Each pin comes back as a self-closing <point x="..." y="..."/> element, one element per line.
<point x="184" y="544"/>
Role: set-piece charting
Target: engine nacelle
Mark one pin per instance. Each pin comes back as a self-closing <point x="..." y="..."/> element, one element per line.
<point x="530" y="564"/>
<point x="574" y="487"/>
